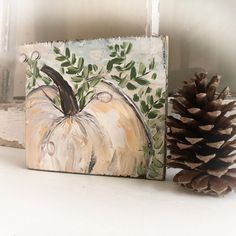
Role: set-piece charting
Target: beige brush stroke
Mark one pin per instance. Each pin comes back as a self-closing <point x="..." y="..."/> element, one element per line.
<point x="109" y="131"/>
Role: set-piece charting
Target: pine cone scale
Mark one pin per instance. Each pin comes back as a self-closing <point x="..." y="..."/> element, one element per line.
<point x="201" y="183"/>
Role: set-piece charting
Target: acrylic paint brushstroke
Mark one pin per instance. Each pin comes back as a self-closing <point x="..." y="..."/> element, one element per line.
<point x="97" y="106"/>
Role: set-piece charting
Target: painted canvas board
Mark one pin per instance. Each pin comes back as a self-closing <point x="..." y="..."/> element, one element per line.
<point x="97" y="106"/>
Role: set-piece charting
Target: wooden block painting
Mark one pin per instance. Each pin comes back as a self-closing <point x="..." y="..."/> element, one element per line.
<point x="97" y="106"/>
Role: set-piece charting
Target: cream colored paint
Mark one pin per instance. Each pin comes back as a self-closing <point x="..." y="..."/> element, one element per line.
<point x="110" y="119"/>
<point x="69" y="143"/>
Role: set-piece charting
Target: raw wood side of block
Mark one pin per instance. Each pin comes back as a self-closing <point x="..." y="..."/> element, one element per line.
<point x="12" y="125"/>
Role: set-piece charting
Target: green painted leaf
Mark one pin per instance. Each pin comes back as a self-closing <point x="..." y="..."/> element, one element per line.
<point x="109" y="65"/>
<point x="136" y="98"/>
<point x="86" y="86"/>
<point x="110" y="47"/>
<point x="89" y="93"/>
<point x="46" y="80"/>
<point x="144" y="107"/>
<point x="153" y="173"/>
<point x="56" y="50"/>
<point x="68" y="52"/>
<point x="152" y="114"/>
<point x="158" y="105"/>
<point x="158" y="92"/>
<point x="72" y="70"/>
<point x="130" y="86"/>
<point x="117" y="60"/>
<point x="148" y="90"/>
<point x="140" y="92"/>
<point x="82" y="103"/>
<point x="65" y="64"/>
<point x="30" y="62"/>
<point x="33" y="82"/>
<point x="116" y="78"/>
<point x="162" y="151"/>
<point x="85" y="72"/>
<point x="156" y="164"/>
<point x="142" y="81"/>
<point x="76" y="86"/>
<point x="37" y="73"/>
<point x="163" y="94"/>
<point x="148" y="151"/>
<point x="142" y="69"/>
<point x="113" y="54"/>
<point x="154" y="76"/>
<point x="133" y="73"/>
<point x="77" y="78"/>
<point x="158" y="143"/>
<point x="95" y="81"/>
<point x="29" y="74"/>
<point x="80" y="92"/>
<point x="95" y="67"/>
<point x="156" y="136"/>
<point x="124" y="82"/>
<point x="57" y="101"/>
<point x="61" y="58"/>
<point x="152" y="64"/>
<point x="62" y="70"/>
<point x="117" y="47"/>
<point x="129" y="48"/>
<point x="152" y="124"/>
<point x="90" y="67"/>
<point x="73" y="60"/>
<point x="141" y="170"/>
<point x="129" y="65"/>
<point x="122" y="53"/>
<point x="28" y="86"/>
<point x="145" y="149"/>
<point x="162" y="100"/>
<point x="119" y="68"/>
<point x="162" y="117"/>
<point x="150" y="99"/>
<point x="124" y="45"/>
<point x="80" y="64"/>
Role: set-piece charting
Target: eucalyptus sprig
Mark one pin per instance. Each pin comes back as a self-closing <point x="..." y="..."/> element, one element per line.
<point x="132" y="76"/>
<point x="33" y="74"/>
<point x="83" y="77"/>
<point x="129" y="75"/>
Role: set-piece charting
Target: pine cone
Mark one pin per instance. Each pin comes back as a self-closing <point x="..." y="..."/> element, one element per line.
<point x="201" y="137"/>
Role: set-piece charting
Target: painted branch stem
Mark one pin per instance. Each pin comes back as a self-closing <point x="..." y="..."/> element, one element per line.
<point x="68" y="100"/>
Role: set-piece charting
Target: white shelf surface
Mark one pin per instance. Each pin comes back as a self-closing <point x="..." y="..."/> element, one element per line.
<point x="37" y="203"/>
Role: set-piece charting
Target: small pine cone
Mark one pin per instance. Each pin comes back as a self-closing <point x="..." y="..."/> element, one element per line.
<point x="201" y="137"/>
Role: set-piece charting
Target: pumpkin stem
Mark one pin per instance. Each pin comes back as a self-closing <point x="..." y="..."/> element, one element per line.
<point x="69" y="103"/>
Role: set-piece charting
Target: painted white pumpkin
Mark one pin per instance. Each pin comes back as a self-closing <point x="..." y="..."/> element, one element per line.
<point x="105" y="138"/>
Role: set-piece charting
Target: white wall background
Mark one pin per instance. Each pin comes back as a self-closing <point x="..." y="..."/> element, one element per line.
<point x="202" y="36"/>
<point x="202" y="33"/>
